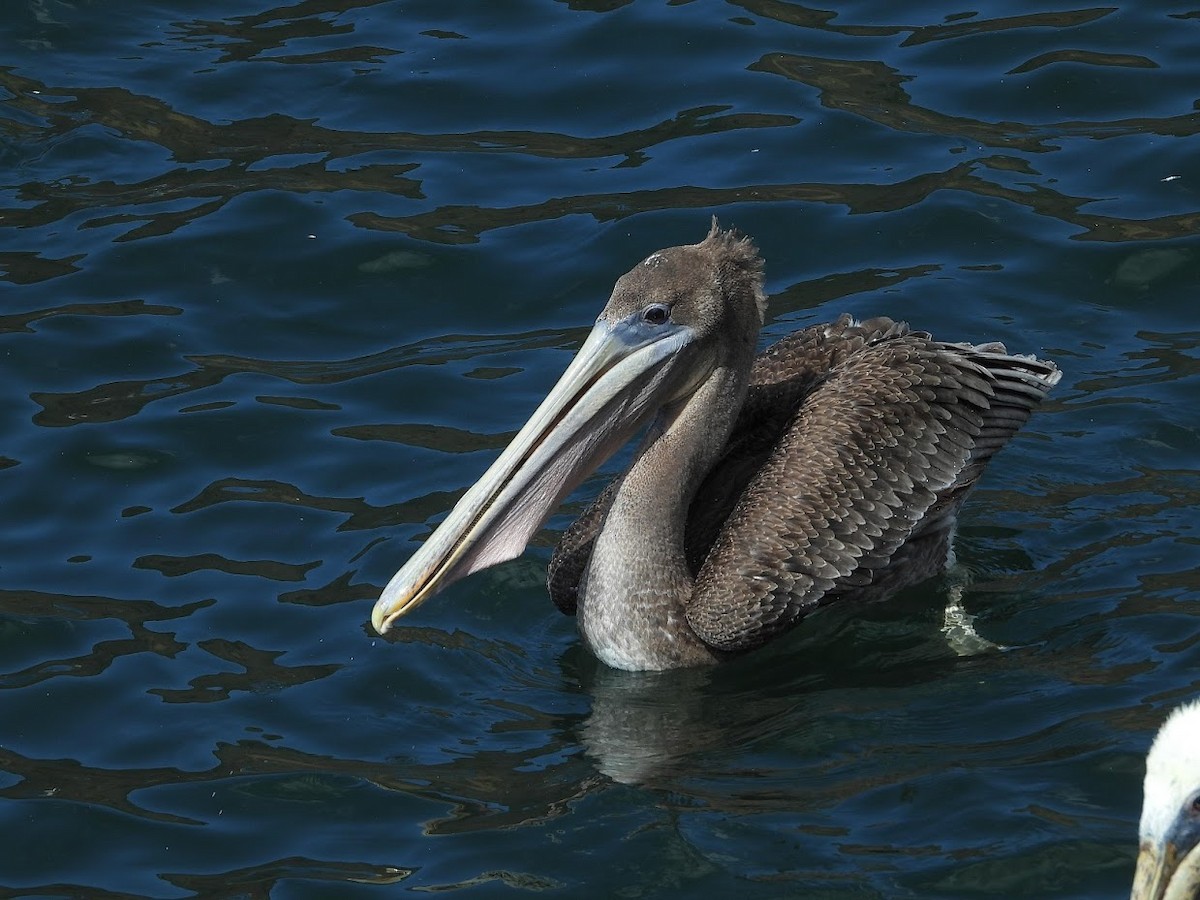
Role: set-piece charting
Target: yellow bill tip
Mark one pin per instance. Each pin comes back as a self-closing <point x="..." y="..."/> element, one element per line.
<point x="384" y="614"/>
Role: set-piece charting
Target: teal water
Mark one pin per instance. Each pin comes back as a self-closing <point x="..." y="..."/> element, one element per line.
<point x="276" y="285"/>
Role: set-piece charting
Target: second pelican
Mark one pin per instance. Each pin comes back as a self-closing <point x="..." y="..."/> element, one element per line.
<point x="1168" y="866"/>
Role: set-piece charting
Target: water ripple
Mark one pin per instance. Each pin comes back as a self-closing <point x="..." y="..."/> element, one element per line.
<point x="278" y="282"/>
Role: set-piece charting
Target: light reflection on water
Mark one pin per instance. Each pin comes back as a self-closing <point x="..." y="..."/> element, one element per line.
<point x="279" y="284"/>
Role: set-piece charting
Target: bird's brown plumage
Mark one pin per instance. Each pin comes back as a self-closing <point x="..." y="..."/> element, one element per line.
<point x="830" y="465"/>
<point x="855" y="439"/>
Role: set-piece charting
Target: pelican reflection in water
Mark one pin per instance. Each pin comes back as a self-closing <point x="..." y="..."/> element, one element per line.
<point x="1168" y="866"/>
<point x="829" y="466"/>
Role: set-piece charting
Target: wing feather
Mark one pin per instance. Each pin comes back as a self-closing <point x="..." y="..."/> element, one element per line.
<point x="574" y="550"/>
<point x="884" y="447"/>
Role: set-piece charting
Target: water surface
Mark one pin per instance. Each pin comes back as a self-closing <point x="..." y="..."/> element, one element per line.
<point x="276" y="286"/>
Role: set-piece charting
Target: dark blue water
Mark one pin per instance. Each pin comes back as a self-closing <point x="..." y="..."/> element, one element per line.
<point x="277" y="284"/>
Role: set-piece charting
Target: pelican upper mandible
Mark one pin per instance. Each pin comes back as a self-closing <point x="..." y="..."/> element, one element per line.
<point x="1168" y="866"/>
<point x="830" y="465"/>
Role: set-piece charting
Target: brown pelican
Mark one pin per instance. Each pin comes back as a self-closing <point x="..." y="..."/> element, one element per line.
<point x="1168" y="866"/>
<point x="830" y="465"/>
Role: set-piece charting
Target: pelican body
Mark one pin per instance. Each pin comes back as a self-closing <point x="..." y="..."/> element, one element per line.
<point x="830" y="465"/>
<point x="1168" y="866"/>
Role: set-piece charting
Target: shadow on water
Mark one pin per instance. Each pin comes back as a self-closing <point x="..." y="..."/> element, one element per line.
<point x="673" y="733"/>
<point x="798" y="726"/>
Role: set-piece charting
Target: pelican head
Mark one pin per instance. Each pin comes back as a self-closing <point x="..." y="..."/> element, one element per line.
<point x="1168" y="866"/>
<point x="671" y="321"/>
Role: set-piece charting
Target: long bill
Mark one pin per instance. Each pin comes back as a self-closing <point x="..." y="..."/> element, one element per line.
<point x="624" y="372"/>
<point x="1167" y="871"/>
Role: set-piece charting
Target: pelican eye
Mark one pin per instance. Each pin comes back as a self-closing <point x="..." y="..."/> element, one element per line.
<point x="656" y="314"/>
<point x="1193" y="806"/>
